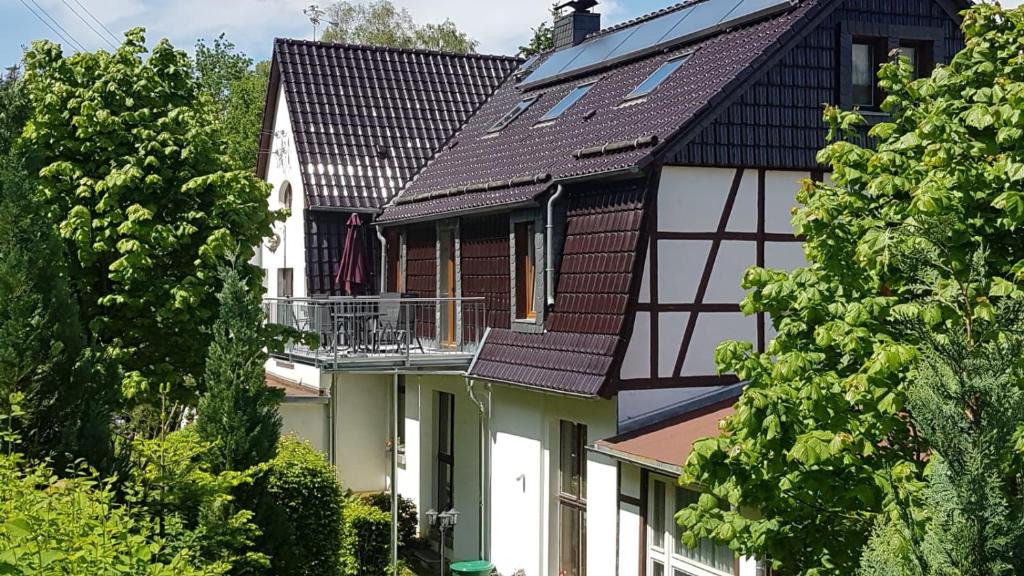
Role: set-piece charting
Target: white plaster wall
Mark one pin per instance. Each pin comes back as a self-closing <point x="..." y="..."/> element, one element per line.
<point x="308" y="421"/>
<point x="691" y="201"/>
<point x="409" y="472"/>
<point x="629" y="522"/>
<point x="282" y="166"/>
<point x="524" y="481"/>
<point x="362" y="416"/>
<point x="304" y="374"/>
<point x="421" y="458"/>
<point x="523" y="456"/>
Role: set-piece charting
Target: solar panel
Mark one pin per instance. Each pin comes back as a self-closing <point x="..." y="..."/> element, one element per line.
<point x="705" y="16"/>
<point x="649" y="33"/>
<point x="597" y="50"/>
<point x="679" y="27"/>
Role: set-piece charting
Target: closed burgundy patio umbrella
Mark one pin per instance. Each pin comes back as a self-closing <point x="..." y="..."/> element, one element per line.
<point x="351" y="275"/>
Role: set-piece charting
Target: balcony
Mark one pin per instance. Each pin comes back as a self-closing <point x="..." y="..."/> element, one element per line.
<point x="381" y="332"/>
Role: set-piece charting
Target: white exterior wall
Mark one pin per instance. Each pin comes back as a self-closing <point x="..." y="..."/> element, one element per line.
<point x="307" y="421"/>
<point x="362" y="430"/>
<point x="283" y="166"/>
<point x="691" y="204"/>
<point x="524" y="437"/>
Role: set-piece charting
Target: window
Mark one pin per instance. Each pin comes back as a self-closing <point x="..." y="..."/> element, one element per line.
<point x="655" y="80"/>
<point x="864" y="70"/>
<point x="665" y="545"/>
<point x="526" y="271"/>
<point x="871" y="45"/>
<point x="572" y="500"/>
<point x="512" y="114"/>
<point x="567" y="102"/>
<point x="444" y="429"/>
<point x="285" y="283"/>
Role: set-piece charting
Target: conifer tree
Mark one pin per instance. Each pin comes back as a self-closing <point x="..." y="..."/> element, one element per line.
<point x="43" y="354"/>
<point x="238" y="412"/>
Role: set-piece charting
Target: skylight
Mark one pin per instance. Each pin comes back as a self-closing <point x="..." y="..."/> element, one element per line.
<point x="567" y="102"/>
<point x="659" y="76"/>
<point x="512" y="114"/>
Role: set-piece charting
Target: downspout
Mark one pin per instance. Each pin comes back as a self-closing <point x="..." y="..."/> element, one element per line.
<point x="383" y="260"/>
<point x="485" y="477"/>
<point x="549" y="248"/>
<point x="394" y="473"/>
<point x="332" y="406"/>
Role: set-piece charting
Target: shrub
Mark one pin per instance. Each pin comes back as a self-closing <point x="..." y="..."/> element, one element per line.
<point x="74" y="527"/>
<point x="367" y="540"/>
<point x="299" y="509"/>
<point x="408" y="518"/>
<point x="170" y="482"/>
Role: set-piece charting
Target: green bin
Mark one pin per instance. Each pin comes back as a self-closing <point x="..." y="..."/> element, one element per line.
<point x="474" y="568"/>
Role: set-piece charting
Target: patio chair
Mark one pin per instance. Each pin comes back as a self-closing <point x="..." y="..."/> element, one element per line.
<point x="393" y="325"/>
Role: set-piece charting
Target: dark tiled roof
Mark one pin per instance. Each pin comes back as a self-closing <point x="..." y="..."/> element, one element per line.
<point x="597" y="274"/>
<point x="570" y="363"/>
<point x="630" y="134"/>
<point x="367" y="119"/>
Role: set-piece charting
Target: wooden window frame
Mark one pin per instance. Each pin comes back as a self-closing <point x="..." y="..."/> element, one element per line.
<point x="661" y="548"/>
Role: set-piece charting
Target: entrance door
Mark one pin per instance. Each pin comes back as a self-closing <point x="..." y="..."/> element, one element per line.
<point x="445" y="464"/>
<point x="446" y="287"/>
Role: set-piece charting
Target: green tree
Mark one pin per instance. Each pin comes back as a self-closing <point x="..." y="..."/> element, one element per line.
<point x="14" y="109"/>
<point x="821" y="434"/>
<point x="381" y="23"/>
<point x="542" y="40"/>
<point x="132" y="174"/>
<point x="192" y="506"/>
<point x="967" y="400"/>
<point x="43" y="353"/>
<point x="238" y="413"/>
<point x="238" y="90"/>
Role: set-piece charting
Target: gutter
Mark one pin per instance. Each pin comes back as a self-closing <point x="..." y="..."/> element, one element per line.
<point x="649" y="464"/>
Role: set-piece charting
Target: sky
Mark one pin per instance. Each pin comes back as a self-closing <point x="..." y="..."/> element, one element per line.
<point x="500" y="26"/>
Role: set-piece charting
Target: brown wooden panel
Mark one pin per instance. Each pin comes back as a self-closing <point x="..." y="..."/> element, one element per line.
<point x="325" y="240"/>
<point x="485" y="268"/>
<point x="421" y="274"/>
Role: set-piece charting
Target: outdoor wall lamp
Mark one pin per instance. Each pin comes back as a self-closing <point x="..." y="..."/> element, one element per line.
<point x="444" y="521"/>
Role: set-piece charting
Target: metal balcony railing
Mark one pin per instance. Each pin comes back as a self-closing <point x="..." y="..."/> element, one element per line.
<point x="379" y="329"/>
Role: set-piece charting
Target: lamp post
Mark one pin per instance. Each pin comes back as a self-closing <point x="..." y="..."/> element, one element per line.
<point x="444" y="521"/>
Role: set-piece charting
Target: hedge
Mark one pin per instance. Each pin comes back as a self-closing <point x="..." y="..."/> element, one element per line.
<point x="408" y="518"/>
<point x="300" y="512"/>
<point x="367" y="540"/>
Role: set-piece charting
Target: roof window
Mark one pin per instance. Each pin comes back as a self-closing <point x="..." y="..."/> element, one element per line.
<point x="655" y="79"/>
<point x="567" y="102"/>
<point x="512" y="114"/>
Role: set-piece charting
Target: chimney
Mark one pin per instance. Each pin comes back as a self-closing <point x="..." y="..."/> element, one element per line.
<point x="572" y="28"/>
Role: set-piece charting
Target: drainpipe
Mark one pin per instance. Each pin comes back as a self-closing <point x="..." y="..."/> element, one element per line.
<point x="394" y="473"/>
<point x="332" y="406"/>
<point x="485" y="477"/>
<point x="383" y="260"/>
<point x="549" y="260"/>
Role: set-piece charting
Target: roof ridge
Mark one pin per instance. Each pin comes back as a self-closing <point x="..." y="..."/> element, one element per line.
<point x="377" y="48"/>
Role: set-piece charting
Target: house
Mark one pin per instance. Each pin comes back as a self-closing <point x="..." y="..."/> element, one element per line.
<point x="568" y="252"/>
